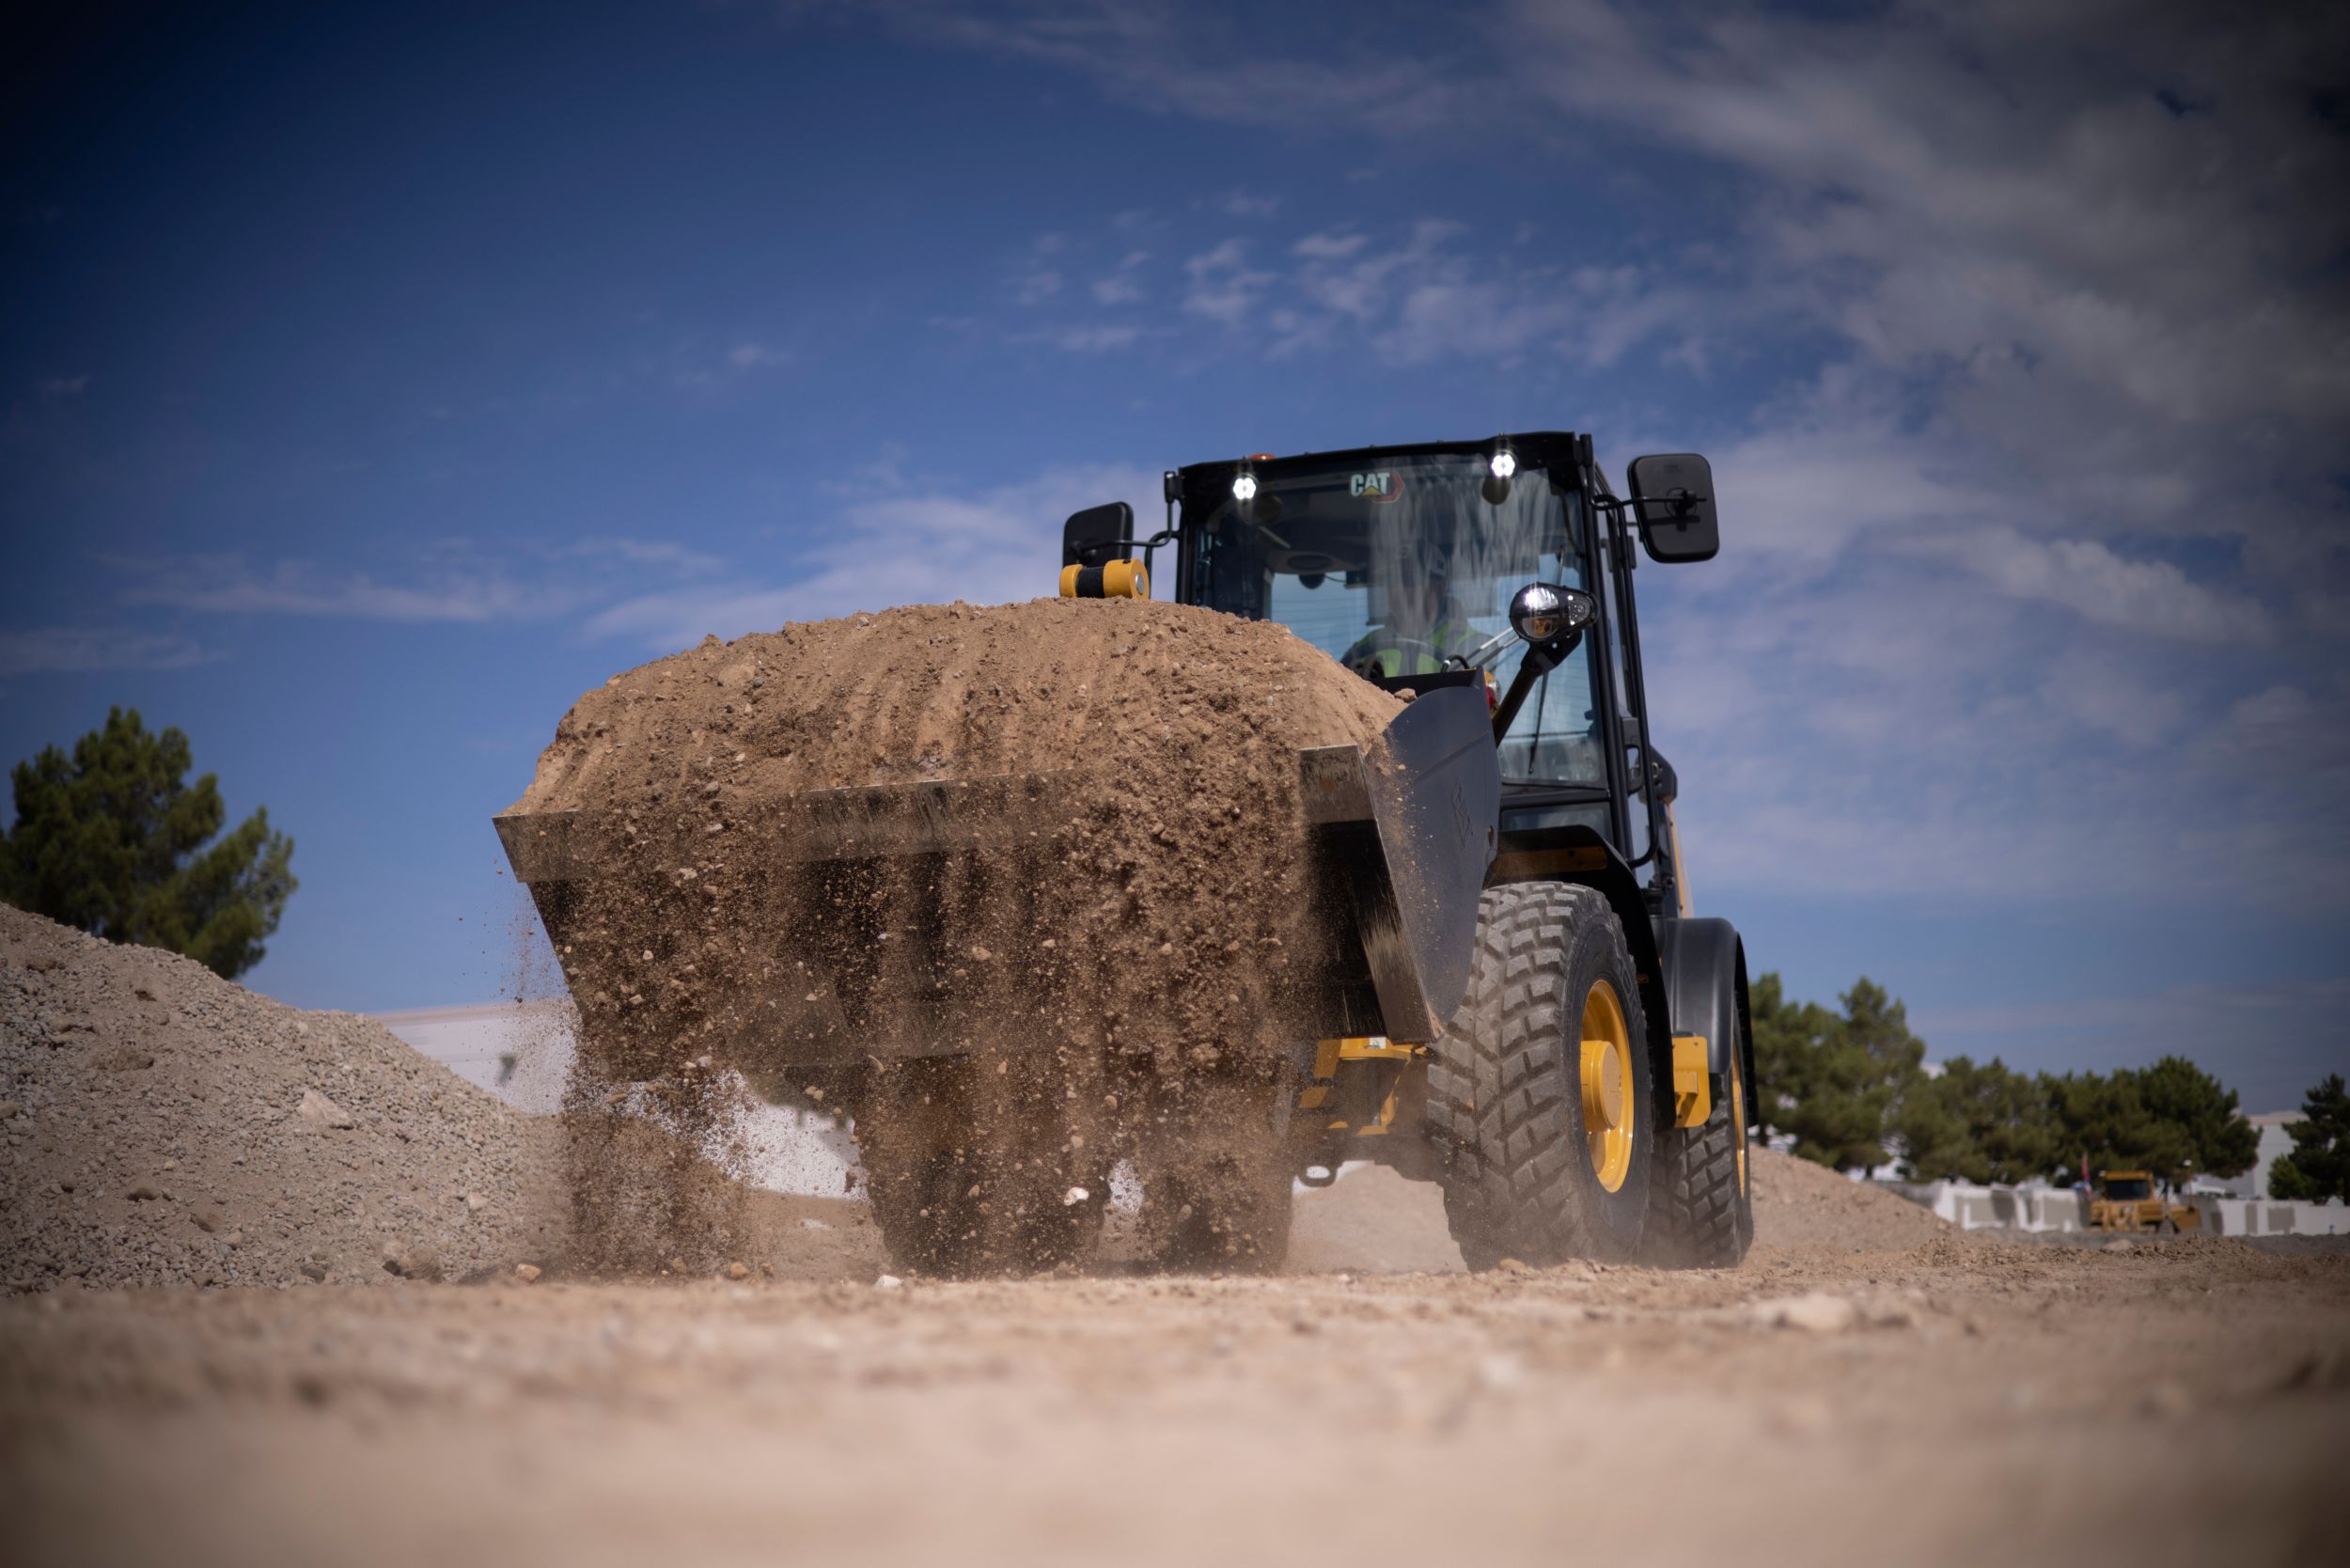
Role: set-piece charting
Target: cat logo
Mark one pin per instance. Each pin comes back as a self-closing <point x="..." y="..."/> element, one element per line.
<point x="1383" y="486"/>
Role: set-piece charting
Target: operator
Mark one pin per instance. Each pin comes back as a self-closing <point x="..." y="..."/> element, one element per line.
<point x="1424" y="628"/>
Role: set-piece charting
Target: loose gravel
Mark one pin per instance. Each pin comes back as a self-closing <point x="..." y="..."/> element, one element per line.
<point x="161" y="1126"/>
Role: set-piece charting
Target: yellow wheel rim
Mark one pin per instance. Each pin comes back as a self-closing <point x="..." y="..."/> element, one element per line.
<point x="1607" y="1108"/>
<point x="1738" y="1115"/>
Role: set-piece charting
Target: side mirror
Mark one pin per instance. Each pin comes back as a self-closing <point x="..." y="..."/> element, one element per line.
<point x="1551" y="619"/>
<point x="1545" y="614"/>
<point x="1672" y="500"/>
<point x="1098" y="534"/>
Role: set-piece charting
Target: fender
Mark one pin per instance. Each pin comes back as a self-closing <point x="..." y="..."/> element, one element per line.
<point x="1706" y="972"/>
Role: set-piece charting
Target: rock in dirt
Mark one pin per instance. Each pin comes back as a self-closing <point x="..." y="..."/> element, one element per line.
<point x="320" y="1111"/>
<point x="1815" y="1313"/>
<point x="420" y="1263"/>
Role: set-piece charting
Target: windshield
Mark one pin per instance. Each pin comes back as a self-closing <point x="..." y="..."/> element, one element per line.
<point x="2129" y="1189"/>
<point x="1396" y="568"/>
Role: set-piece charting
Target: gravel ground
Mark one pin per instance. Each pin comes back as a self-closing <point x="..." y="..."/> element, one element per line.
<point x="163" y="1126"/>
<point x="1870" y="1387"/>
<point x="2180" y="1403"/>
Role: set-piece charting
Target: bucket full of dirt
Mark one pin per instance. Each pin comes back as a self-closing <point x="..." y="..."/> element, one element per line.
<point x="1070" y="824"/>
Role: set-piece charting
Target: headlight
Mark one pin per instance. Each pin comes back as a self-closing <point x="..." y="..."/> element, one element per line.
<point x="1504" y="463"/>
<point x="1243" y="487"/>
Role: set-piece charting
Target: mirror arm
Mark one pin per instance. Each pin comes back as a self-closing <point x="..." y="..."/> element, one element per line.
<point x="1678" y="506"/>
<point x="1164" y="536"/>
<point x="1541" y="659"/>
<point x="1096" y="551"/>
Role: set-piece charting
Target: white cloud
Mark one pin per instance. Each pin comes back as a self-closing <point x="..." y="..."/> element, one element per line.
<point x="228" y="586"/>
<point x="912" y="547"/>
<point x="1997" y="198"/>
<point x="1829" y="478"/>
<point x="1094" y="339"/>
<point x="754" y="356"/>
<point x="665" y="554"/>
<point x="445" y="582"/>
<point x="1247" y="204"/>
<point x="1156" y="54"/>
<point x="1121" y="286"/>
<point x="1223" y="288"/>
<point x="1329" y="248"/>
<point x="1037" y="278"/>
<point x="82" y="650"/>
<point x="1432" y="295"/>
<point x="2155" y="598"/>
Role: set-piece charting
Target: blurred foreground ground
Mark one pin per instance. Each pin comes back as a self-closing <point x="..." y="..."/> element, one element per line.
<point x="217" y="1213"/>
<point x="1941" y="1402"/>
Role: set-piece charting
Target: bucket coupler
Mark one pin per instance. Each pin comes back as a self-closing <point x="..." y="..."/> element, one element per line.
<point x="1399" y="840"/>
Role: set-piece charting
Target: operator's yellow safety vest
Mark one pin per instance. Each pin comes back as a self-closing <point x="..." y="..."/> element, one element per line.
<point x="1382" y="648"/>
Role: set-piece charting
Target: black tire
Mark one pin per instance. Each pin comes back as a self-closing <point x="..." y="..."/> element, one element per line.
<point x="1216" y="1172"/>
<point x="969" y="1175"/>
<point x="1700" y="1210"/>
<point x="1506" y="1101"/>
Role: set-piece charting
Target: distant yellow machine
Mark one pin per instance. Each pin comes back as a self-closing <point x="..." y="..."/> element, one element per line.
<point x="2126" y="1200"/>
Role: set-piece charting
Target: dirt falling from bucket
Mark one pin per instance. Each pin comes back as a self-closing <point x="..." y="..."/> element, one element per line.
<point x="1086" y="859"/>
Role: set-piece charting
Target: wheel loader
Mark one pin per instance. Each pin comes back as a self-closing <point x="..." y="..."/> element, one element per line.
<point x="1518" y="1003"/>
<point x="2128" y="1201"/>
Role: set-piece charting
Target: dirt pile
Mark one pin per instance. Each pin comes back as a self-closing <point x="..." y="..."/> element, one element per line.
<point x="1116" y="782"/>
<point x="163" y="1126"/>
<point x="1799" y="1205"/>
<point x="1373" y="1220"/>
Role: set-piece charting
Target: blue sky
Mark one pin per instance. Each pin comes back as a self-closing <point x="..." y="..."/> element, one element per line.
<point x="372" y="385"/>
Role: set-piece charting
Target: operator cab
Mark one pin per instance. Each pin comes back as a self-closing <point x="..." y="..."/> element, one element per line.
<point x="1401" y="568"/>
<point x="1405" y="563"/>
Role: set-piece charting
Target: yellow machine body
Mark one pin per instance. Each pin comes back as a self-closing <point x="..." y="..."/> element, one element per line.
<point x="1110" y="580"/>
<point x="2138" y="1207"/>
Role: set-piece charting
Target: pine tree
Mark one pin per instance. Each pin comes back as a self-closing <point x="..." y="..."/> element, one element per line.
<point x="113" y="840"/>
<point x="1831" y="1080"/>
<point x="1977" y="1124"/>
<point x="2319" y="1165"/>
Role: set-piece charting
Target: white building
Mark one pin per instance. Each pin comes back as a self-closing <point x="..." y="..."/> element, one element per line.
<point x="2275" y="1140"/>
<point x="522" y="1053"/>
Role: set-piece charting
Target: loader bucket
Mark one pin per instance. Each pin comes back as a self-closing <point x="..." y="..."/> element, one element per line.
<point x="1397" y="841"/>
